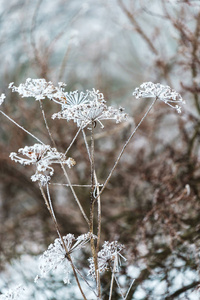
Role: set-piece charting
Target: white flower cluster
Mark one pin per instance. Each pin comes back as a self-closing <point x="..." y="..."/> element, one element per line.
<point x="108" y="258"/>
<point x="2" y="98"/>
<point x="161" y="92"/>
<point x="14" y="294"/>
<point x="94" y="111"/>
<point x="81" y="107"/>
<point x="39" y="89"/>
<point x="56" y="256"/>
<point x="43" y="156"/>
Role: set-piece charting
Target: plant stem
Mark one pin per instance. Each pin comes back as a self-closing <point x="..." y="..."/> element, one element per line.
<point x="50" y="208"/>
<point x="124" y="147"/>
<point x="92" y="202"/>
<point x="21" y="127"/>
<point x="99" y="211"/>
<point x="74" y="194"/>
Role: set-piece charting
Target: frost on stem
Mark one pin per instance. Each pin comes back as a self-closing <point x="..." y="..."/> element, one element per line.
<point x="56" y="257"/>
<point x="14" y="294"/>
<point x="163" y="93"/>
<point x="42" y="156"/>
<point x="108" y="258"/>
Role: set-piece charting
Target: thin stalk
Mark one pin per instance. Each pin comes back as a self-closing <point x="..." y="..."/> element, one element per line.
<point x="21" y="127"/>
<point x="112" y="280"/>
<point x="74" y="194"/>
<point x="119" y="287"/>
<point x="76" y="185"/>
<point x="129" y="288"/>
<point x="65" y="173"/>
<point x="124" y="147"/>
<point x="92" y="202"/>
<point x="98" y="207"/>
<point x="73" y="140"/>
<point x="46" y="124"/>
<point x="98" y="198"/>
<point x="50" y="208"/>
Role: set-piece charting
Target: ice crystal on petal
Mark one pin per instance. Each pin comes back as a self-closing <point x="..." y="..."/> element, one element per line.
<point x="42" y="156"/>
<point x="56" y="256"/>
<point x="86" y="113"/>
<point x="108" y="258"/>
<point x="162" y="92"/>
<point x="14" y="294"/>
<point x="2" y="98"/>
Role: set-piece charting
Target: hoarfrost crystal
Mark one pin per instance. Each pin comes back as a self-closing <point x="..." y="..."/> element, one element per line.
<point x="86" y="113"/>
<point x="163" y="93"/>
<point x="38" y="88"/>
<point x="56" y="257"/>
<point x="108" y="258"/>
<point x="43" y="156"/>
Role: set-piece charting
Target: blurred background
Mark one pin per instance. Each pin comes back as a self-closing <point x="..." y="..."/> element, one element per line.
<point x="152" y="203"/>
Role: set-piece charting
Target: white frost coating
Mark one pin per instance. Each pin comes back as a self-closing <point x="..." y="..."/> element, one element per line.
<point x="43" y="156"/>
<point x="56" y="256"/>
<point x="108" y="258"/>
<point x="81" y="107"/>
<point x="162" y="92"/>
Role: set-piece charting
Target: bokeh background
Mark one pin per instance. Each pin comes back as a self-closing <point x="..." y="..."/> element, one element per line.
<point x="151" y="204"/>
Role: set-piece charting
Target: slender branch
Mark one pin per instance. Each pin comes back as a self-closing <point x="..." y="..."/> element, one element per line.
<point x="74" y="194"/>
<point x="46" y="124"/>
<point x="182" y="290"/>
<point x="73" y="140"/>
<point x="129" y="288"/>
<point x="98" y="207"/>
<point x="124" y="147"/>
<point x="50" y="208"/>
<point x="92" y="201"/>
<point x="97" y="185"/>
<point x="137" y="27"/>
<point x="112" y="279"/>
<point x="21" y="127"/>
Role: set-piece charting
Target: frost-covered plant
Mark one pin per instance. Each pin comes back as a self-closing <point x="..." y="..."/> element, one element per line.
<point x="87" y="110"/>
<point x="57" y="255"/>
<point x="108" y="258"/>
<point x="161" y="92"/>
<point x="42" y="156"/>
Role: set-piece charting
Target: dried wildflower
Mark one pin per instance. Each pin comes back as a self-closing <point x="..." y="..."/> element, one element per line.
<point x="163" y="93"/>
<point x="14" y="294"/>
<point x="38" y="88"/>
<point x="2" y="98"/>
<point x="108" y="258"/>
<point x="56" y="256"/>
<point x="43" y="156"/>
<point x="93" y="111"/>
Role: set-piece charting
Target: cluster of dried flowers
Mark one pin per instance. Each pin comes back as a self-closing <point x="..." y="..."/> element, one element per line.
<point x="85" y="109"/>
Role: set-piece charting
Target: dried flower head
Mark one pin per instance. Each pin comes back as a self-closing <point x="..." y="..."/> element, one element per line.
<point x="43" y="156"/>
<point x="108" y="258"/>
<point x="56" y="256"/>
<point x="161" y="92"/>
<point x="93" y="111"/>
<point x="39" y="89"/>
